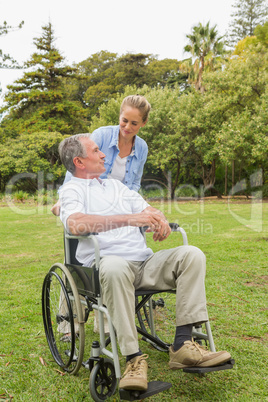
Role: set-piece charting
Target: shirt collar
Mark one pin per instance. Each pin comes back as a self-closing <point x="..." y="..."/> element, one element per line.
<point x="90" y="182"/>
<point x="115" y="142"/>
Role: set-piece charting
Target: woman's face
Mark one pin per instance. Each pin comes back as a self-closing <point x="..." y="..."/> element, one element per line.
<point x="130" y="122"/>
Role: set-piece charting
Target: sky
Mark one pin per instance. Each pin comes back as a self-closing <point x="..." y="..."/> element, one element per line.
<point x="85" y="27"/>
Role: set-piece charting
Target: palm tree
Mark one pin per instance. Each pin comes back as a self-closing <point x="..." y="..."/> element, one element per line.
<point x="206" y="46"/>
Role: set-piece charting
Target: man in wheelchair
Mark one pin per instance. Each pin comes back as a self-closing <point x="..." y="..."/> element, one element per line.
<point x="109" y="208"/>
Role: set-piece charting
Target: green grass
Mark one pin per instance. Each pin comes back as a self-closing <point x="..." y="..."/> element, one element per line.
<point x="236" y="282"/>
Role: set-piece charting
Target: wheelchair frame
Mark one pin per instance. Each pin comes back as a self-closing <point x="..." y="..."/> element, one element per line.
<point x="76" y="287"/>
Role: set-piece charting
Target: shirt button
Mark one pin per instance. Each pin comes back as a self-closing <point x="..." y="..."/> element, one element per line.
<point x="126" y="171"/>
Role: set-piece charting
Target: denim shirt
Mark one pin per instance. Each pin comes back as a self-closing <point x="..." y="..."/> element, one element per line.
<point x="107" y="140"/>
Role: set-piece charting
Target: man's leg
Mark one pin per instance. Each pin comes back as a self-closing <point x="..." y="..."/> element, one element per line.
<point x="183" y="268"/>
<point x="117" y="279"/>
<point x="117" y="283"/>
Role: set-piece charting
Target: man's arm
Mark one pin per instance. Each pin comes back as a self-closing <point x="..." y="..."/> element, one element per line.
<point x="81" y="224"/>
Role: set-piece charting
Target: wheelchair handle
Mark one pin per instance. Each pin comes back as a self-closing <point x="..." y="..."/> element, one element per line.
<point x="173" y="227"/>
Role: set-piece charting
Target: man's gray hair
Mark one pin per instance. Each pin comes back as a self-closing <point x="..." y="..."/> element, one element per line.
<point x="70" y="148"/>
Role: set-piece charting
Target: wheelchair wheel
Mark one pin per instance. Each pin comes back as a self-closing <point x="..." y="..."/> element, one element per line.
<point x="63" y="321"/>
<point x="102" y="380"/>
<point x="157" y="318"/>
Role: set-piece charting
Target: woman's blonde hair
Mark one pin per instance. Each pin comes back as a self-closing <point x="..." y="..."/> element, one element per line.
<point x="139" y="102"/>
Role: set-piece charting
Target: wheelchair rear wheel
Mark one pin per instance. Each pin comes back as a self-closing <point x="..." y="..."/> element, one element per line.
<point x="63" y="320"/>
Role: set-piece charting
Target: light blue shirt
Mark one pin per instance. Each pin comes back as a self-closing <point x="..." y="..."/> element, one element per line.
<point x="107" y="140"/>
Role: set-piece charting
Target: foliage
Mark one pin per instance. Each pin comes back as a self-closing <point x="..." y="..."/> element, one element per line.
<point x="261" y="32"/>
<point x="26" y="159"/>
<point x="241" y="106"/>
<point x="6" y="61"/>
<point x="193" y="135"/>
<point x="37" y="101"/>
<point x="190" y="135"/>
<point x="104" y="74"/>
<point x="258" y="40"/>
<point x="247" y="15"/>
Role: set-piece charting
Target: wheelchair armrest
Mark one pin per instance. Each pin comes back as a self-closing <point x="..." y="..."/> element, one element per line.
<point x="175" y="227"/>
<point x="89" y="236"/>
<point x="70" y="236"/>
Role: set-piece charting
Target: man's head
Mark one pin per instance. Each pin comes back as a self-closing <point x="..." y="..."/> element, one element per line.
<point x="81" y="156"/>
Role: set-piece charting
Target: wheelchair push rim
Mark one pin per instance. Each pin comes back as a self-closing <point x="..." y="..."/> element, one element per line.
<point x="62" y="317"/>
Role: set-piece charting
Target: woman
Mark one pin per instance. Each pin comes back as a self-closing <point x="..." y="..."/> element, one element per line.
<point x="125" y="151"/>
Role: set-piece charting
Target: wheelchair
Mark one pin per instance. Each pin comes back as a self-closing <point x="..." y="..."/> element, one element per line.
<point x="71" y="292"/>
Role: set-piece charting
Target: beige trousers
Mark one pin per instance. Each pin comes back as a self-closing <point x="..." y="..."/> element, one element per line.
<point x="182" y="268"/>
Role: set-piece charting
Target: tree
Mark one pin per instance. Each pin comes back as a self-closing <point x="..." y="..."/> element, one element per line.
<point x="105" y="74"/>
<point x="236" y="99"/>
<point x="6" y="61"/>
<point x="94" y="70"/>
<point x="205" y="45"/>
<point x="38" y="101"/>
<point x="261" y="32"/>
<point x="27" y="156"/>
<point x="247" y="15"/>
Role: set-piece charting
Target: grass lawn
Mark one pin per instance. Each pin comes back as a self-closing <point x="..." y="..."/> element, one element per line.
<point x="234" y="238"/>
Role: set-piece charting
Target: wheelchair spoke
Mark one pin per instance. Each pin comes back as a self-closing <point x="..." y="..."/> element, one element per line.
<point x="158" y="317"/>
<point x="60" y="314"/>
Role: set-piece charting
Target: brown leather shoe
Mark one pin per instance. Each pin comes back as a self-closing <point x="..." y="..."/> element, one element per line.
<point x="191" y="354"/>
<point x="135" y="375"/>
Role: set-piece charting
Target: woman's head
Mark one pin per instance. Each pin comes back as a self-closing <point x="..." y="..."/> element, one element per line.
<point x="138" y="102"/>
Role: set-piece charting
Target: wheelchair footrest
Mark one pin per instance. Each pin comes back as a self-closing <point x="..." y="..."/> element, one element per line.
<point x="202" y="370"/>
<point x="154" y="387"/>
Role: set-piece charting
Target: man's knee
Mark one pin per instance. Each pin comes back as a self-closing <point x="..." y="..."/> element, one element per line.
<point x="191" y="255"/>
<point x="195" y="252"/>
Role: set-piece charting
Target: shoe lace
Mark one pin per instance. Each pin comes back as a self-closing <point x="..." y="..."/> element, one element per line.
<point x="201" y="349"/>
<point x="135" y="367"/>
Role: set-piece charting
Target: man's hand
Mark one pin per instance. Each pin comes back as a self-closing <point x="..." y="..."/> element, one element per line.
<point x="156" y="222"/>
<point x="56" y="208"/>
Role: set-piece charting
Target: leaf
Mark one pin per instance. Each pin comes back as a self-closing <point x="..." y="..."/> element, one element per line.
<point x="60" y="372"/>
<point x="42" y="361"/>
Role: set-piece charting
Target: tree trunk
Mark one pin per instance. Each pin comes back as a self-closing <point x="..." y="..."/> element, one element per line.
<point x="233" y="173"/>
<point x="226" y="180"/>
<point x="173" y="182"/>
<point x="209" y="177"/>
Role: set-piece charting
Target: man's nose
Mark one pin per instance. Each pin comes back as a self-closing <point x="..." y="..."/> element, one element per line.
<point x="102" y="155"/>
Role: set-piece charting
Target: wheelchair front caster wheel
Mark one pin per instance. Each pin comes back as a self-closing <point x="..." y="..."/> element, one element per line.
<point x="102" y="380"/>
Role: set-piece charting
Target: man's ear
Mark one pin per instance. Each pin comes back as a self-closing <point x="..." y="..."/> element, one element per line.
<point x="78" y="163"/>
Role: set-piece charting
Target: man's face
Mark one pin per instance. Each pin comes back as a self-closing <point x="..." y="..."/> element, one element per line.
<point x="93" y="165"/>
